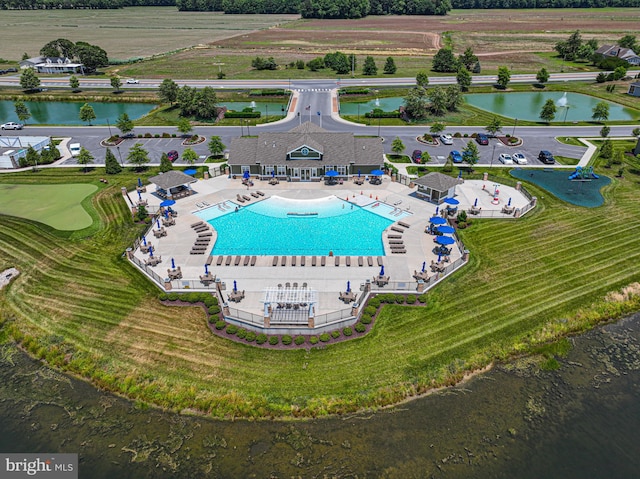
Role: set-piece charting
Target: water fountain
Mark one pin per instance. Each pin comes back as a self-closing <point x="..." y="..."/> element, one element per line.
<point x="253" y="104"/>
<point x="562" y="102"/>
<point x="377" y="102"/>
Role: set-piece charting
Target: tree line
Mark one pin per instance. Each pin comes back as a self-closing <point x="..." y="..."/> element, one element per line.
<point x="513" y="4"/>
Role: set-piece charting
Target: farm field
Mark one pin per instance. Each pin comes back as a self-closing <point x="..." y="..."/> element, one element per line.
<point x="528" y="281"/>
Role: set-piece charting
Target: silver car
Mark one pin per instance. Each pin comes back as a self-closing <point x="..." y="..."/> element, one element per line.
<point x="519" y="158"/>
<point x="446" y="139"/>
<point x="506" y="159"/>
<point x="12" y="126"/>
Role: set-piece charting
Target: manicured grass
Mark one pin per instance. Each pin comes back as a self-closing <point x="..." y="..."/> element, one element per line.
<point x="528" y="281"/>
<point x="59" y="206"/>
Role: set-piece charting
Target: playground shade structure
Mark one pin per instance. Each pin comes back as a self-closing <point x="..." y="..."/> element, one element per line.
<point x="581" y="193"/>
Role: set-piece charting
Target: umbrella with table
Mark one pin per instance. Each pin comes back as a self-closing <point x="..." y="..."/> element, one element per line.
<point x="445" y="229"/>
<point x="376" y="180"/>
<point x="331" y="175"/>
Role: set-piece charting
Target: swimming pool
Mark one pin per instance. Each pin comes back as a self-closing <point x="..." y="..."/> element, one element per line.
<point x="283" y="226"/>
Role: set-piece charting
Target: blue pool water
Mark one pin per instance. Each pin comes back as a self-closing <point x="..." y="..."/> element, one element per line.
<point x="281" y="226"/>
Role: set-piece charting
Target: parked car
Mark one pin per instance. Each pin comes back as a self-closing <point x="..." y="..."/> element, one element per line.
<point x="416" y="156"/>
<point x="446" y="139"/>
<point x="132" y="81"/>
<point x="482" y="139"/>
<point x="519" y="158"/>
<point x="506" y="158"/>
<point x="545" y="156"/>
<point x="74" y="149"/>
<point x="455" y="156"/>
<point x="12" y="70"/>
<point x="172" y="155"/>
<point x="12" y="126"/>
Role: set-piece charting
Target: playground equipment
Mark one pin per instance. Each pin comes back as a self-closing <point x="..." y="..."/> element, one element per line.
<point x="583" y="174"/>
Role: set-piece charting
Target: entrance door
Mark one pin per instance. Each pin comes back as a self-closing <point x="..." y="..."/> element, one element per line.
<point x="305" y="174"/>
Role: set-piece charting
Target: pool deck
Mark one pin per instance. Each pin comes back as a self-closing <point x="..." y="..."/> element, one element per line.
<point x="329" y="280"/>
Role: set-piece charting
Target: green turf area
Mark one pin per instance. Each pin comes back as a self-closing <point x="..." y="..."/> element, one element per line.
<point x="58" y="206"/>
<point x="85" y="309"/>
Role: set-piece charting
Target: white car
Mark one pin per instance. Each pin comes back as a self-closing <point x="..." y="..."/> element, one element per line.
<point x="12" y="126"/>
<point x="506" y="159"/>
<point x="132" y="81"/>
<point x="520" y="158"/>
<point x="446" y="139"/>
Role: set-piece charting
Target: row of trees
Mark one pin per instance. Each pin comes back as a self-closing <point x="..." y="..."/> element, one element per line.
<point x="82" y="4"/>
<point x="420" y="102"/>
<point x="321" y="8"/>
<point x="600" y="112"/>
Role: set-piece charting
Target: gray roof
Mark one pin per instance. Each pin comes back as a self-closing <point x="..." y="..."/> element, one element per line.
<point x="437" y="181"/>
<point x="337" y="148"/>
<point x="171" y="179"/>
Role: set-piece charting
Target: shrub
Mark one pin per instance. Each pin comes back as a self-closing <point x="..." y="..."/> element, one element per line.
<point x="365" y="319"/>
<point x="399" y="299"/>
<point x="313" y="340"/>
<point x="163" y="296"/>
<point x="191" y="298"/>
<point x="347" y="331"/>
<point x="261" y="338"/>
<point x="173" y="296"/>
<point x="324" y="337"/>
<point x="174" y="135"/>
<point x="360" y="328"/>
<point x="273" y="340"/>
<point x="241" y="114"/>
<point x="299" y="340"/>
<point x="375" y="302"/>
<point x="251" y="337"/>
<point x="242" y="333"/>
<point x="140" y="135"/>
<point x="335" y="334"/>
<point x="166" y="135"/>
<point x="220" y="325"/>
<point x="287" y="340"/>
<point x="157" y="135"/>
<point x="232" y="329"/>
<point x="422" y="298"/>
<point x="457" y="134"/>
<point x="213" y="310"/>
<point x="212" y="319"/>
<point x="411" y="299"/>
<point x="370" y="310"/>
<point x="210" y="300"/>
<point x="148" y="135"/>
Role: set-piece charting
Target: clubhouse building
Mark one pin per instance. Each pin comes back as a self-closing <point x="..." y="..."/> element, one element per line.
<point x="305" y="153"/>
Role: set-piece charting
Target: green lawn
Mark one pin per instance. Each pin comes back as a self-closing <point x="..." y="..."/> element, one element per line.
<point x="86" y="310"/>
<point x="59" y="206"/>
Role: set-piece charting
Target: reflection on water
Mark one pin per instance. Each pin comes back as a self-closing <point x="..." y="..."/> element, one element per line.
<point x="68" y="113"/>
<point x="514" y="422"/>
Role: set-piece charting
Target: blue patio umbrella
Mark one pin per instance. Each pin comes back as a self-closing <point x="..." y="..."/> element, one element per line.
<point x="358" y="173"/>
<point x="235" y="285"/>
<point x="348" y="286"/>
<point x="150" y="251"/>
<point x="437" y="220"/>
<point x="446" y="229"/>
<point x="158" y="223"/>
<point x="424" y="264"/>
<point x="273" y="173"/>
<point x="439" y="257"/>
<point x="460" y="174"/>
<point x="139" y="182"/>
<point x="437" y="210"/>
<point x="377" y="172"/>
<point x="382" y="270"/>
<point x="451" y="201"/>
<point x="206" y="268"/>
<point x="166" y="214"/>
<point x="173" y="264"/>
<point x="144" y="240"/>
<point x="509" y="203"/>
<point x="444" y="240"/>
<point x="331" y="173"/>
<point x="190" y="171"/>
<point x="246" y="174"/>
<point x="475" y="203"/>
<point x="168" y="203"/>
<point x="139" y="195"/>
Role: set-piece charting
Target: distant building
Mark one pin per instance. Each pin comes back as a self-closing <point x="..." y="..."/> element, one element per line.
<point x="12" y="148"/>
<point x="52" y="65"/>
<point x="634" y="89"/>
<point x="619" y="52"/>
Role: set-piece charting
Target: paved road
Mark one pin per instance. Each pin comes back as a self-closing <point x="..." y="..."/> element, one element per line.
<point x="314" y="103"/>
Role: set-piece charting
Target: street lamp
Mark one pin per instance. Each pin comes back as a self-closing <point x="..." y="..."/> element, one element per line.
<point x="493" y="154"/>
<point x="266" y="105"/>
<point x="513" y="133"/>
<point x="248" y="134"/>
<point x="358" y="112"/>
<point x="120" y="155"/>
<point x="378" y="127"/>
<point x="566" y="112"/>
<point x="109" y="126"/>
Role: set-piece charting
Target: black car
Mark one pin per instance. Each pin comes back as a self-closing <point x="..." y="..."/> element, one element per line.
<point x="482" y="139"/>
<point x="546" y="157"/>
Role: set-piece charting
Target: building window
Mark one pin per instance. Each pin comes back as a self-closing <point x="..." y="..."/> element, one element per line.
<point x="282" y="170"/>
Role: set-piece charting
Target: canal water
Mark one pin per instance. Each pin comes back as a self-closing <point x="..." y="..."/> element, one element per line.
<point x="68" y="113"/>
<point x="516" y="421"/>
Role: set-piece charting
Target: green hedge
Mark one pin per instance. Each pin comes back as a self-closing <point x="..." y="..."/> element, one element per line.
<point x="273" y="340"/>
<point x="242" y="333"/>
<point x="251" y="337"/>
<point x="287" y="340"/>
<point x="313" y="340"/>
<point x="232" y="329"/>
<point x="378" y="113"/>
<point x="299" y="340"/>
<point x="268" y="92"/>
<point x="365" y="319"/>
<point x="261" y="338"/>
<point x="347" y="331"/>
<point x="324" y="337"/>
<point x="213" y="310"/>
<point x="220" y="325"/>
<point x="242" y="114"/>
<point x="360" y="328"/>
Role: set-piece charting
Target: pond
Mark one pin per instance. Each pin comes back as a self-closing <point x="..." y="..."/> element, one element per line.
<point x="527" y="105"/>
<point x="68" y="113"/>
<point x="524" y="106"/>
<point x="581" y="190"/>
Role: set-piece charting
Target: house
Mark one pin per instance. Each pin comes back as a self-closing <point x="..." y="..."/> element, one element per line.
<point x="634" y="89"/>
<point x="435" y="187"/>
<point x="173" y="184"/>
<point x="52" y="65"/>
<point x="622" y="53"/>
<point x="305" y="153"/>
